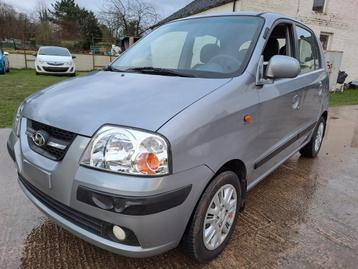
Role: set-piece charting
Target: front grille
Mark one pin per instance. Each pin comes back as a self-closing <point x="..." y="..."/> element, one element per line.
<point x="55" y="64"/>
<point x="88" y="223"/>
<point x="55" y="69"/>
<point x="56" y="135"/>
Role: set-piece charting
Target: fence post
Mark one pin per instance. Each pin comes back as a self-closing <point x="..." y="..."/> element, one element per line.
<point x="25" y="57"/>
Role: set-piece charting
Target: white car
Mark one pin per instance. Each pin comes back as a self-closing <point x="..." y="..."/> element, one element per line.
<point x="55" y="60"/>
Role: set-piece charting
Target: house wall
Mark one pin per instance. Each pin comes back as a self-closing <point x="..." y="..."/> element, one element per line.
<point x="338" y="19"/>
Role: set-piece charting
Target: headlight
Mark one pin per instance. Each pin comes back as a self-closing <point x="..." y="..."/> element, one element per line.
<point x="127" y="151"/>
<point x="69" y="62"/>
<point x="42" y="62"/>
<point x="17" y="119"/>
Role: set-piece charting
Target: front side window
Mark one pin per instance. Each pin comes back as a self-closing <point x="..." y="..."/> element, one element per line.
<point x="204" y="47"/>
<point x="307" y="51"/>
<point x="279" y="42"/>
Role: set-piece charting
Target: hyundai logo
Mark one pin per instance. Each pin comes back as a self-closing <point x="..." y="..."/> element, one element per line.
<point x="40" y="138"/>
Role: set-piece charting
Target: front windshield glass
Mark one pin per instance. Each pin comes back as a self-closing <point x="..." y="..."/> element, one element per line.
<point x="203" y="47"/>
<point x="54" y="51"/>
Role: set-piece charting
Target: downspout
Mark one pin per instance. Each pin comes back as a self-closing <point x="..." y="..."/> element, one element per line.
<point x="234" y="6"/>
<point x="298" y="8"/>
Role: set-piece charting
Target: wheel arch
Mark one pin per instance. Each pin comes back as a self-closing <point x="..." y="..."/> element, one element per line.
<point x="239" y="168"/>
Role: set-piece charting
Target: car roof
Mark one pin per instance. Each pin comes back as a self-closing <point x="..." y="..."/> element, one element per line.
<point x="267" y="15"/>
<point x="55" y="47"/>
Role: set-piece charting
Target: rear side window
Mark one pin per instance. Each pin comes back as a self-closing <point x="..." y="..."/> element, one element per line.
<point x="308" y="52"/>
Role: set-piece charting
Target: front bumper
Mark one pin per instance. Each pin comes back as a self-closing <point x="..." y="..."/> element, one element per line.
<point x="50" y="69"/>
<point x="156" y="231"/>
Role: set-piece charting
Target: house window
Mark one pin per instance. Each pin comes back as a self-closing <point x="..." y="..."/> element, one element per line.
<point x="318" y="5"/>
<point x="325" y="39"/>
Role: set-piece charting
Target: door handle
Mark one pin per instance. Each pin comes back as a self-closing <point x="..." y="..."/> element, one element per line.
<point x="296" y="102"/>
<point x="320" y="88"/>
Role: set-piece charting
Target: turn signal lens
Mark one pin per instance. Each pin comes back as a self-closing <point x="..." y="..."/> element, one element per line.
<point x="148" y="163"/>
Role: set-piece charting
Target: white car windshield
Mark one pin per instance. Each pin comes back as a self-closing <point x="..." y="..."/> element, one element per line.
<point x="54" y="51"/>
<point x="217" y="46"/>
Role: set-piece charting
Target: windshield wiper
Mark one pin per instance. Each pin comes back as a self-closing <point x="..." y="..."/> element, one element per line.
<point x="159" y="71"/>
<point x="113" y="69"/>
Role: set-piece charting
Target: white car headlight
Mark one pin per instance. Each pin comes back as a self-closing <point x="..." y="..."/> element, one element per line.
<point x="17" y="119"/>
<point x="128" y="151"/>
<point x="42" y="62"/>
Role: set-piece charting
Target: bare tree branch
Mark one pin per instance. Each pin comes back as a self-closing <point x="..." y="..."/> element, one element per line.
<point x="128" y="17"/>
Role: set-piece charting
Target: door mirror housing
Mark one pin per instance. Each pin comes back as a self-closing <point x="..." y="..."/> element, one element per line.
<point x="74" y="57"/>
<point x="281" y="66"/>
<point x="6" y="53"/>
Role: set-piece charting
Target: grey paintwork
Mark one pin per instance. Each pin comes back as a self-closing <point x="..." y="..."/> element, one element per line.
<point x="201" y="118"/>
<point x="135" y="100"/>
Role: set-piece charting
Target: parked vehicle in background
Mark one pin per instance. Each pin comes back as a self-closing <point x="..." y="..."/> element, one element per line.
<point x="4" y="62"/>
<point x="161" y="146"/>
<point x="55" y="61"/>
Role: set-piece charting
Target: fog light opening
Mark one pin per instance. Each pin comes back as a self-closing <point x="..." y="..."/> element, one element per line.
<point x="119" y="233"/>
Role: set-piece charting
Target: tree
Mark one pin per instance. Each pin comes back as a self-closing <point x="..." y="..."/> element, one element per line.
<point x="15" y="25"/>
<point x="128" y="17"/>
<point x="75" y="23"/>
<point x="90" y="30"/>
<point x="44" y="28"/>
<point x="65" y="14"/>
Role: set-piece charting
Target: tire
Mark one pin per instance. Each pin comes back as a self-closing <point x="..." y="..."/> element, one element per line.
<point x="193" y="242"/>
<point x="312" y="149"/>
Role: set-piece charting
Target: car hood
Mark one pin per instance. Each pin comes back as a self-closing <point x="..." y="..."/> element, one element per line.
<point x="84" y="104"/>
<point x="50" y="58"/>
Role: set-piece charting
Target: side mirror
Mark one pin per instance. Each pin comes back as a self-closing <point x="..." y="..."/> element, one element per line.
<point x="281" y="66"/>
<point x="35" y="54"/>
<point x="6" y="53"/>
<point x="74" y="57"/>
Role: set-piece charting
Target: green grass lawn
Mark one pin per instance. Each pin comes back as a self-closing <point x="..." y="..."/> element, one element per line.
<point x="348" y="97"/>
<point x="18" y="84"/>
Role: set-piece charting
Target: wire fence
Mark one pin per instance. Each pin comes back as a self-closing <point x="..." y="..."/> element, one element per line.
<point x="97" y="47"/>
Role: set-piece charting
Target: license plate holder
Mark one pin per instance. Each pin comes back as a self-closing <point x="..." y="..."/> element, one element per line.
<point x="36" y="175"/>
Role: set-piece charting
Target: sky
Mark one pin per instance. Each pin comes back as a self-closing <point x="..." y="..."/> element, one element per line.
<point x="163" y="7"/>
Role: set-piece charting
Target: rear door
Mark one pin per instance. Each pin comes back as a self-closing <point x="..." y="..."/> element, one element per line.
<point x="312" y="77"/>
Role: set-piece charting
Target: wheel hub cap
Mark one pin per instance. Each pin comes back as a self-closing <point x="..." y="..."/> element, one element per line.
<point x="219" y="217"/>
<point x="319" y="137"/>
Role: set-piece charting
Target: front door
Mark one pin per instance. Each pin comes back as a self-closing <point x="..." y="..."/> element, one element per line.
<point x="281" y="100"/>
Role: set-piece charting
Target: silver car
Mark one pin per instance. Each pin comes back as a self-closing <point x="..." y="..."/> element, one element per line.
<point x="160" y="148"/>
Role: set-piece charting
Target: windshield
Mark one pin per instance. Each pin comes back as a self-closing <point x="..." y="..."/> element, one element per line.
<point x="202" y="47"/>
<point x="54" y="51"/>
